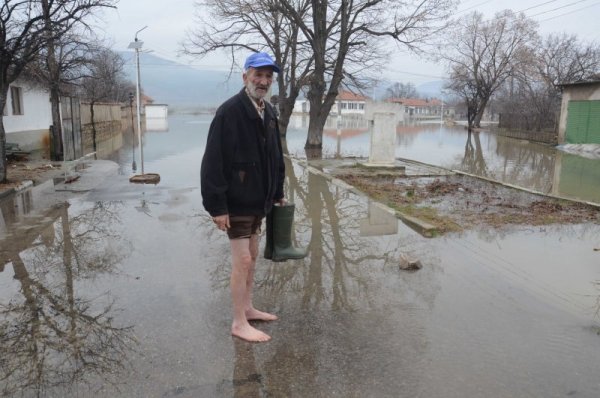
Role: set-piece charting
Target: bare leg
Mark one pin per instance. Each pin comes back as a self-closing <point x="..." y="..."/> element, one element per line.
<point x="251" y="312"/>
<point x="240" y="270"/>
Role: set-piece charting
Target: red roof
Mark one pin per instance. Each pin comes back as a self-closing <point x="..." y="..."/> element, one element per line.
<point x="416" y="101"/>
<point x="350" y="96"/>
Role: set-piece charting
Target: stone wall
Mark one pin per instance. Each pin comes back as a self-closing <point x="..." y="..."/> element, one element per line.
<point x="107" y="123"/>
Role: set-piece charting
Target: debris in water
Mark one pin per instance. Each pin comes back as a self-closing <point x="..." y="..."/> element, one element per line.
<point x="409" y="264"/>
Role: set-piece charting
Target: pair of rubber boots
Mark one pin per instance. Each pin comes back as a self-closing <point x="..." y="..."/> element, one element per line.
<point x="280" y="222"/>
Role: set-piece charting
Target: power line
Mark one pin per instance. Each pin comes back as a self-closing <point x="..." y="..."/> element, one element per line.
<point x="557" y="8"/>
<point x="537" y="5"/>
<point x="476" y="5"/>
<point x="571" y="12"/>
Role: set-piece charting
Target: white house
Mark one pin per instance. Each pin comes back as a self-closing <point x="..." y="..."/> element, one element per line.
<point x="157" y="117"/>
<point x="157" y="111"/>
<point x="27" y="116"/>
<point x="346" y="103"/>
<point x="349" y="103"/>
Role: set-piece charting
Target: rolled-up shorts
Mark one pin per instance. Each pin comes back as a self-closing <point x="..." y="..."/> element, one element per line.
<point x="243" y="226"/>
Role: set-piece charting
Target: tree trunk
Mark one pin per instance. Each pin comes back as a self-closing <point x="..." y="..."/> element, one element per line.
<point x="3" y="95"/>
<point x="56" y="121"/>
<point x="54" y="93"/>
<point x="480" y="111"/>
<point x="285" y="113"/>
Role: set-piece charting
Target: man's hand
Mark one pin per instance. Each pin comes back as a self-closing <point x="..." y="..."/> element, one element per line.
<point x="222" y="222"/>
<point x="280" y="202"/>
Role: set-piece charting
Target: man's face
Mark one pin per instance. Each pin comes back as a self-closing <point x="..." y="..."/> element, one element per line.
<point x="258" y="81"/>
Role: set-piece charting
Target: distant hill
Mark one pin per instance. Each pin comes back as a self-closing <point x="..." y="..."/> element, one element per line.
<point x="181" y="86"/>
<point x="184" y="87"/>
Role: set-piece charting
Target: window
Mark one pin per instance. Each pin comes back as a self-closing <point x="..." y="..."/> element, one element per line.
<point x="16" y="94"/>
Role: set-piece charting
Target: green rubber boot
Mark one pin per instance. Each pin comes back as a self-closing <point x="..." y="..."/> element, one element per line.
<point x="269" y="235"/>
<point x="282" y="223"/>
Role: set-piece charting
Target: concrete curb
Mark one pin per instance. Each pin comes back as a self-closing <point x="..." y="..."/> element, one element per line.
<point x="531" y="191"/>
<point x="22" y="186"/>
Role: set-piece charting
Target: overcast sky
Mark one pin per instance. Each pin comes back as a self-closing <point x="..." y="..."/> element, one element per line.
<point x="168" y="20"/>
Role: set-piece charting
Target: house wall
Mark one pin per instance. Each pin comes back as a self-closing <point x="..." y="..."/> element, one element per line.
<point x="349" y="107"/>
<point x="157" y="111"/>
<point x="301" y="106"/>
<point x="581" y="92"/>
<point x="31" y="129"/>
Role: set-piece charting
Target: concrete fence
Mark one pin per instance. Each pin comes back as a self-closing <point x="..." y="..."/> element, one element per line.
<point x="107" y="126"/>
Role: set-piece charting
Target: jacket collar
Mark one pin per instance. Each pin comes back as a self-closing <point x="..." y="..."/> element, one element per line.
<point x="250" y="108"/>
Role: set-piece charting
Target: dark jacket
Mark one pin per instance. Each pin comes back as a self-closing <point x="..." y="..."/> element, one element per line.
<point x="242" y="169"/>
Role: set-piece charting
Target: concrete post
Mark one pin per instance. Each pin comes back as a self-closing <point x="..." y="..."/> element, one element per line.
<point x="383" y="139"/>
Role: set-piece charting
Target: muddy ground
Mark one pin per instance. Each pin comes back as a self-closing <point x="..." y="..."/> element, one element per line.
<point x="37" y="171"/>
<point x="456" y="202"/>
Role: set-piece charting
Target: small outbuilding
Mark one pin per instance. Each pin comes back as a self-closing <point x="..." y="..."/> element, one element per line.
<point x="580" y="112"/>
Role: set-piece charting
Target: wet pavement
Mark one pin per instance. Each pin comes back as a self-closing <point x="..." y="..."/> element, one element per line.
<point x="123" y="291"/>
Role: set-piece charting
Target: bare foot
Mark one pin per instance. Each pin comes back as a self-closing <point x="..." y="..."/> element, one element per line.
<point x="248" y="333"/>
<point x="255" y="315"/>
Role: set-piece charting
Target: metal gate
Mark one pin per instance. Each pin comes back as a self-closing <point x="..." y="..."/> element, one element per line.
<point x="71" y="128"/>
<point x="583" y="122"/>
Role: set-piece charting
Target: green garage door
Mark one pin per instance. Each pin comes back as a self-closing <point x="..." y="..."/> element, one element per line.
<point x="583" y="122"/>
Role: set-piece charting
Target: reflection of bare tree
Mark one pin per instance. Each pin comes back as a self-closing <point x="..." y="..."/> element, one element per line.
<point x="529" y="164"/>
<point x="50" y="335"/>
<point x="473" y="160"/>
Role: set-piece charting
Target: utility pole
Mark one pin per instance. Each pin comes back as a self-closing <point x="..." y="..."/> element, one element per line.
<point x="133" y="165"/>
<point x="137" y="46"/>
<point x="151" y="178"/>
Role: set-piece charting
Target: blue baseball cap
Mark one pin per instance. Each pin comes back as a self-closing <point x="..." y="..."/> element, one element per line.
<point x="258" y="60"/>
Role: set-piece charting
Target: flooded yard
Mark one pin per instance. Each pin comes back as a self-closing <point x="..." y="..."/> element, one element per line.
<point x="123" y="290"/>
<point x="536" y="166"/>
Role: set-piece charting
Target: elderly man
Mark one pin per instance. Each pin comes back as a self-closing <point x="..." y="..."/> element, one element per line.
<point x="242" y="177"/>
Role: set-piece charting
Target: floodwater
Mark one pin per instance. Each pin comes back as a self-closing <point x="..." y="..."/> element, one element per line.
<point x="123" y="291"/>
<point x="535" y="166"/>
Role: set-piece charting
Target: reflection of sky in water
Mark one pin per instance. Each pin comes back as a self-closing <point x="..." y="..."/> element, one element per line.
<point x="535" y="166"/>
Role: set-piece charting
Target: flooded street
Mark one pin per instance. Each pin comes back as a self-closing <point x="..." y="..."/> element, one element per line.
<point x="536" y="166"/>
<point x="124" y="290"/>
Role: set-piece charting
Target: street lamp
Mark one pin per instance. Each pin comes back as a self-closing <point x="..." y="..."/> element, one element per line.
<point x="151" y="178"/>
<point x="137" y="46"/>
<point x="133" y="165"/>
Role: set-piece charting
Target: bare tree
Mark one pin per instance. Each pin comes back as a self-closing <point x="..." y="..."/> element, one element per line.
<point x="27" y="27"/>
<point x="104" y="81"/>
<point x="256" y="25"/>
<point x="482" y="54"/>
<point x="531" y="98"/>
<point x="320" y="44"/>
<point x="401" y="90"/>
<point x="565" y="59"/>
<point x="344" y="34"/>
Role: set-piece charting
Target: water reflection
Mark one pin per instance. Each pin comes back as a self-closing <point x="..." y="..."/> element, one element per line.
<point x="530" y="165"/>
<point x="346" y="323"/>
<point x="54" y="331"/>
